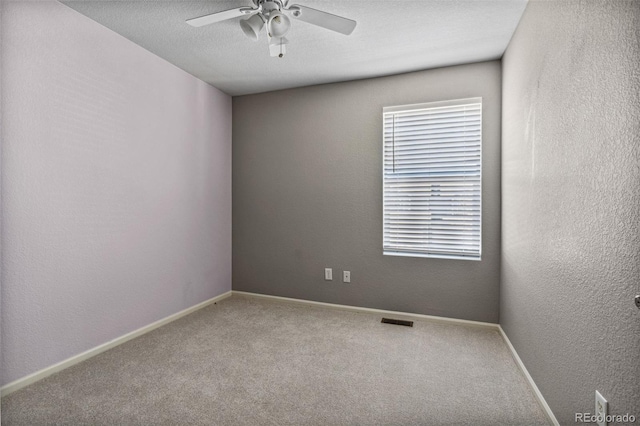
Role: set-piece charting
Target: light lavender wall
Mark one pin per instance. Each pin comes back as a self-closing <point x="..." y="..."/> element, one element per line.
<point x="571" y="202"/>
<point x="116" y="182"/>
<point x="307" y="194"/>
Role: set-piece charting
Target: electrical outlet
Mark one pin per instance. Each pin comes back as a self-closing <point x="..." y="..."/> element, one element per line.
<point x="602" y="409"/>
<point x="346" y="276"/>
<point x="328" y="274"/>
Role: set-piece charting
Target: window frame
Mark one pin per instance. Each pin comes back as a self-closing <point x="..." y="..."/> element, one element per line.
<point x="434" y="254"/>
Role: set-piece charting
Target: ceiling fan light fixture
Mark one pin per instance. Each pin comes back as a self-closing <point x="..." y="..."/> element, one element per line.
<point x="252" y="26"/>
<point x="274" y="14"/>
<point x="278" y="24"/>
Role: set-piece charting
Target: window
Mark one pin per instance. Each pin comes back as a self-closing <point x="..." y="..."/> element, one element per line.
<point x="432" y="179"/>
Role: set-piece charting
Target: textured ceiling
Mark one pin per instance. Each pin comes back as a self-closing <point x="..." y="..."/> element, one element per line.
<point x="391" y="37"/>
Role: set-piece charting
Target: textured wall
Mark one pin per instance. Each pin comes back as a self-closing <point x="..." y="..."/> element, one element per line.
<point x="307" y="194"/>
<point x="571" y="202"/>
<point x="116" y="183"/>
<point x="1" y="143"/>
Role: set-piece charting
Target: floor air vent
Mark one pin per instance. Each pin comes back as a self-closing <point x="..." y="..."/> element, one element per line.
<point x="397" y="322"/>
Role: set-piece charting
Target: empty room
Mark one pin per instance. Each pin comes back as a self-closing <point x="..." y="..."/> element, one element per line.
<point x="320" y="212"/>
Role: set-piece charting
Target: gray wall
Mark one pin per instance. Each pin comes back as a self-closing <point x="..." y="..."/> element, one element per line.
<point x="307" y="194"/>
<point x="571" y="201"/>
<point x="116" y="187"/>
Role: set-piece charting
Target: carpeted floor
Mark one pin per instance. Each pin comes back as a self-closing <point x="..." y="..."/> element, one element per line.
<point x="250" y="361"/>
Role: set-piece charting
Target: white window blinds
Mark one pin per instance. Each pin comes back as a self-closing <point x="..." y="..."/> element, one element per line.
<point x="432" y="179"/>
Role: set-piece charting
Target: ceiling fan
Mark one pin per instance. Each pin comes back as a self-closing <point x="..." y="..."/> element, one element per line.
<point x="274" y="14"/>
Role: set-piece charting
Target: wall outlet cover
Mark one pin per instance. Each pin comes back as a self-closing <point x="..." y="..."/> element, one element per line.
<point x="602" y="409"/>
<point x="328" y="274"/>
<point x="346" y="276"/>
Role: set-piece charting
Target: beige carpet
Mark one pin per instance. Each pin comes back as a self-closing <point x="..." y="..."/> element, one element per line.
<point x="249" y="361"/>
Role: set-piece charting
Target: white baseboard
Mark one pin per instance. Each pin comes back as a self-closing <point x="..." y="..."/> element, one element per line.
<point x="372" y="310"/>
<point x="45" y="372"/>
<point x="535" y="389"/>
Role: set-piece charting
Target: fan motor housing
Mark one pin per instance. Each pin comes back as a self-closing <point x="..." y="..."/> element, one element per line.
<point x="268" y="6"/>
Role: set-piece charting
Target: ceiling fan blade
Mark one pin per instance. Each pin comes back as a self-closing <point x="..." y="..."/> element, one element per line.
<point x="323" y="19"/>
<point x="219" y="16"/>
